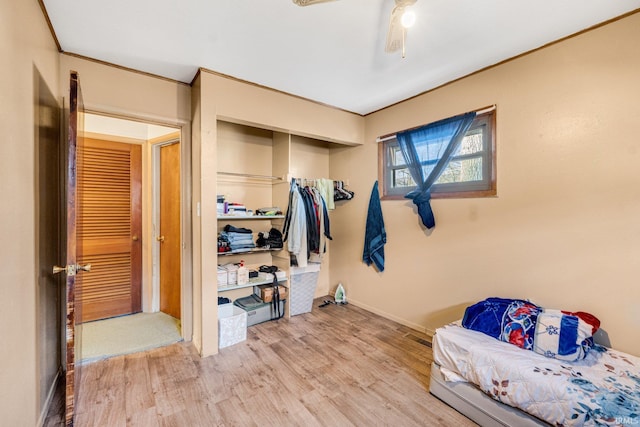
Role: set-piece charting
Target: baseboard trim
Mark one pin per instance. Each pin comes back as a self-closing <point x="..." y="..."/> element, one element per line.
<point x="47" y="404"/>
<point x="430" y="333"/>
<point x="390" y="316"/>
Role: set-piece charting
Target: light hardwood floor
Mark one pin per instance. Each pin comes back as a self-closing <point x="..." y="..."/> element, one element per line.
<point x="336" y="366"/>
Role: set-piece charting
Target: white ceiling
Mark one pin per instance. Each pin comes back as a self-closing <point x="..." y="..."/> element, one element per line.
<point x="330" y="52"/>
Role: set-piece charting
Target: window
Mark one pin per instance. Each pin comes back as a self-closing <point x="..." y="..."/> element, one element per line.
<point x="470" y="172"/>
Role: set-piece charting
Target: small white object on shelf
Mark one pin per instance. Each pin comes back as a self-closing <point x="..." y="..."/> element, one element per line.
<point x="243" y="274"/>
<point x="223" y="277"/>
<point x="281" y="275"/>
<point x="232" y="272"/>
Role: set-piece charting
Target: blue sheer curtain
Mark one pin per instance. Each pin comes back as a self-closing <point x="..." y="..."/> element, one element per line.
<point x="427" y="151"/>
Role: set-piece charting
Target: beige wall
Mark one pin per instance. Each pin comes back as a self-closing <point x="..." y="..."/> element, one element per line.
<point x="564" y="230"/>
<point x="117" y="91"/>
<point x="254" y="105"/>
<point x="219" y="98"/>
<point x="26" y="48"/>
<point x="244" y="149"/>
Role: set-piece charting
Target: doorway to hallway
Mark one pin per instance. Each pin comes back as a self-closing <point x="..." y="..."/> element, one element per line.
<point x="120" y="218"/>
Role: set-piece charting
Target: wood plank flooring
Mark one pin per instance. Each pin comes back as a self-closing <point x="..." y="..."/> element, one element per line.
<point x="336" y="366"/>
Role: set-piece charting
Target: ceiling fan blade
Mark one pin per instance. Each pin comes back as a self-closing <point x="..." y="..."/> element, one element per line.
<point x="310" y="2"/>
<point x="394" y="35"/>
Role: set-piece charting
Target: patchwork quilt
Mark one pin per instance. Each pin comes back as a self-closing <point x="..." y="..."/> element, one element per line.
<point x="603" y="389"/>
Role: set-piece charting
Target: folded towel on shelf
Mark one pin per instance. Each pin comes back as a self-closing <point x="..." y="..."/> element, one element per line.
<point x="375" y="235"/>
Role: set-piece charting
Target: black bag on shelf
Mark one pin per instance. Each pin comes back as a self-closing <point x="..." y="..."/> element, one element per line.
<point x="274" y="240"/>
<point x="261" y="242"/>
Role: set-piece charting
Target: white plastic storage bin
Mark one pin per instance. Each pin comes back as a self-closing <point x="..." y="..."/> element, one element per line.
<point x="232" y="329"/>
<point x="303" y="288"/>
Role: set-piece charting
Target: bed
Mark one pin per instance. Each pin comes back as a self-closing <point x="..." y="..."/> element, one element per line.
<point x="496" y="383"/>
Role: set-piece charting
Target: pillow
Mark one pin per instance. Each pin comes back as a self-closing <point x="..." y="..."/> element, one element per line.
<point x="509" y="320"/>
<point x="563" y="336"/>
<point x="589" y="318"/>
<point x="558" y="334"/>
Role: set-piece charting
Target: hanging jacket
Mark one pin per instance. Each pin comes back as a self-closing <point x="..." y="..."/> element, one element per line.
<point x="296" y="237"/>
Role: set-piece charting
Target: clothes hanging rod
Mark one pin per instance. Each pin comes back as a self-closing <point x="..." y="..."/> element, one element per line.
<point x="393" y="135"/>
<point x="250" y="175"/>
<point x="345" y="182"/>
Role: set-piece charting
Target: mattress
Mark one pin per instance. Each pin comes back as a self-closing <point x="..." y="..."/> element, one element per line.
<point x="467" y="399"/>
<point x="602" y="389"/>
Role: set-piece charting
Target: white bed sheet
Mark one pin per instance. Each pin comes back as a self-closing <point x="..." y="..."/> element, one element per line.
<point x="602" y="389"/>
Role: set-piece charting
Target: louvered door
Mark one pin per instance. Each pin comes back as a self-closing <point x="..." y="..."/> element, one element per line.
<point x="109" y="228"/>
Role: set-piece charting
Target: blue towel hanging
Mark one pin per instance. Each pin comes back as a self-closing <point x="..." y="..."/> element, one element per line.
<point x="375" y="236"/>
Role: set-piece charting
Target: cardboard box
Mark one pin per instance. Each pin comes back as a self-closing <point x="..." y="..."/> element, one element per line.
<point x="232" y="329"/>
<point x="265" y="292"/>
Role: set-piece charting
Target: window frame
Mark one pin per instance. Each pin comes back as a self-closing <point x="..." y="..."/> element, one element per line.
<point x="447" y="190"/>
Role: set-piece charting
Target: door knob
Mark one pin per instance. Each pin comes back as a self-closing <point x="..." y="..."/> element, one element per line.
<point x="134" y="238"/>
<point x="160" y="239"/>
<point x="71" y="270"/>
<point x="86" y="267"/>
<point x="57" y="269"/>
